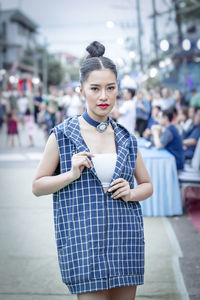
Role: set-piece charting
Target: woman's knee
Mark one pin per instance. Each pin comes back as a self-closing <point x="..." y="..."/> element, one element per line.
<point x="97" y="295"/>
<point x="123" y="293"/>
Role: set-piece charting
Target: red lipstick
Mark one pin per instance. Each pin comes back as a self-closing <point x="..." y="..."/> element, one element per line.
<point x="103" y="106"/>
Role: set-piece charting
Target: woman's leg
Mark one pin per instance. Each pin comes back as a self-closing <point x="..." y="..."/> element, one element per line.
<point x="123" y="293"/>
<point x="99" y="295"/>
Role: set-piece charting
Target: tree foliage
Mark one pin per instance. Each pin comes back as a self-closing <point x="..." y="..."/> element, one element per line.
<point x="55" y="71"/>
<point x="35" y="58"/>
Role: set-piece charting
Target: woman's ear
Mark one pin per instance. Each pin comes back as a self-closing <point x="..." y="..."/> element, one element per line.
<point x="81" y="91"/>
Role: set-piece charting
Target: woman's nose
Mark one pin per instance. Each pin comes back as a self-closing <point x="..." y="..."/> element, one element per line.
<point x="103" y="94"/>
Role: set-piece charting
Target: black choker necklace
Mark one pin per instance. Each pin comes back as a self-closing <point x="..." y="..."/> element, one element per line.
<point x="101" y="126"/>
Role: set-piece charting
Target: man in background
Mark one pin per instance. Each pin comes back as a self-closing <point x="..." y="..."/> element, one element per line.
<point x="126" y="113"/>
<point x="170" y="139"/>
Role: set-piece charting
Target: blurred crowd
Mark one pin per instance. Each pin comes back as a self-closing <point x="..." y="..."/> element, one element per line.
<point x="164" y="118"/>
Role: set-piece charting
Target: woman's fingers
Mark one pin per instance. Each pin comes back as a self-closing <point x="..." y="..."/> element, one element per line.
<point x="118" y="185"/>
<point x="120" y="192"/>
<point x="82" y="160"/>
<point x="84" y="153"/>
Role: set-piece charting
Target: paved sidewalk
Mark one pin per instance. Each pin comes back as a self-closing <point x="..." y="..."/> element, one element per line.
<point x="29" y="266"/>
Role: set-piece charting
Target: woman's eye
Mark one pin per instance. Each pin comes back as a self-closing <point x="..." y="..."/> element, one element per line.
<point x="111" y="88"/>
<point x="94" y="89"/>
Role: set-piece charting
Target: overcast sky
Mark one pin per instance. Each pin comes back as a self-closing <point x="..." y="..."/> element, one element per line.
<point x="70" y="25"/>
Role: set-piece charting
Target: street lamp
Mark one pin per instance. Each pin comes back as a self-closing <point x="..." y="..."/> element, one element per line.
<point x="120" y="41"/>
<point x="168" y="61"/>
<point x="13" y="79"/>
<point x="110" y="24"/>
<point x="162" y="64"/>
<point x="164" y="45"/>
<point x="186" y="44"/>
<point x="153" y="72"/>
<point x="120" y="62"/>
<point x="36" y="80"/>
<point x="132" y="54"/>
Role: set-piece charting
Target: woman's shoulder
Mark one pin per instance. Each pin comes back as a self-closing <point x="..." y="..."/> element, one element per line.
<point x="126" y="134"/>
<point x="68" y="122"/>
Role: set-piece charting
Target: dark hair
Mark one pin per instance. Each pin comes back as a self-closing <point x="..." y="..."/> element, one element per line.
<point x="131" y="91"/>
<point x="196" y="108"/>
<point x="158" y="107"/>
<point x="28" y="112"/>
<point x="168" y="113"/>
<point x="95" y="61"/>
<point x="184" y="111"/>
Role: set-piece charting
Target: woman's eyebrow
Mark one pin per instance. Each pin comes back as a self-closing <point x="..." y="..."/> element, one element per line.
<point x="94" y="84"/>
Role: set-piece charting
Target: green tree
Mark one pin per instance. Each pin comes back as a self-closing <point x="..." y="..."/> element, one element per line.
<point x="56" y="72"/>
<point x="35" y="58"/>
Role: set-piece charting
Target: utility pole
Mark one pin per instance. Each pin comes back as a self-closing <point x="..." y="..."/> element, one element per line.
<point x="44" y="67"/>
<point x="1" y="41"/>
<point x="178" y="20"/>
<point x="139" y="34"/>
<point x="155" y="33"/>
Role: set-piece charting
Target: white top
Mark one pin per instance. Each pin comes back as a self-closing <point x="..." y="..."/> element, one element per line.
<point x="128" y="117"/>
<point x="104" y="164"/>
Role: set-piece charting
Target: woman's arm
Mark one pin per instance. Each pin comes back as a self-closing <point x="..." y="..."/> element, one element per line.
<point x="44" y="182"/>
<point x="144" y="188"/>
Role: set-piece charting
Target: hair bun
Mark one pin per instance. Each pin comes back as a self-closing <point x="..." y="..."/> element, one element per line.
<point x="95" y="49"/>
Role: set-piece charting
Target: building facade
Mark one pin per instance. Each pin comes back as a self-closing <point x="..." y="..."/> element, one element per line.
<point x="17" y="33"/>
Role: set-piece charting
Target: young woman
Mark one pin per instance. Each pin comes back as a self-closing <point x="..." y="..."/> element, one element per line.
<point x="89" y="165"/>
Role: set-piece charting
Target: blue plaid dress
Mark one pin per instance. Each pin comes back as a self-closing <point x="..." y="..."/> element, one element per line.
<point x="100" y="240"/>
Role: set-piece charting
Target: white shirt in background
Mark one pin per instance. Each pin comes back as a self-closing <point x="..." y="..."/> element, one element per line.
<point x="72" y="104"/>
<point x="128" y="117"/>
<point x="22" y="105"/>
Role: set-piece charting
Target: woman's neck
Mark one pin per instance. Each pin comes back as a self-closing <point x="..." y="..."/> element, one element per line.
<point x="97" y="118"/>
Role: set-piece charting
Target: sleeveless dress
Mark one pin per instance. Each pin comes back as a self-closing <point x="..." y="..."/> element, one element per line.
<point x="100" y="240"/>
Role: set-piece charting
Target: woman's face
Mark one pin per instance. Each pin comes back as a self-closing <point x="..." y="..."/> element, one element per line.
<point x="100" y="91"/>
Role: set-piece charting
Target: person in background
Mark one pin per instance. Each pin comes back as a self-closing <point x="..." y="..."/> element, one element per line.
<point x="191" y="136"/>
<point x="12" y="99"/>
<point x="37" y="102"/>
<point x="143" y="108"/>
<point x="166" y="101"/>
<point x="170" y="139"/>
<point x="195" y="100"/>
<point x="22" y="105"/>
<point x="156" y="99"/>
<point x="126" y="113"/>
<point x="179" y="99"/>
<point x="182" y="119"/>
<point x="12" y="128"/>
<point x="191" y="96"/>
<point x="72" y="103"/>
<point x="175" y="115"/>
<point x="2" y="110"/>
<point x="29" y="125"/>
<point x="152" y="121"/>
<point x="52" y="103"/>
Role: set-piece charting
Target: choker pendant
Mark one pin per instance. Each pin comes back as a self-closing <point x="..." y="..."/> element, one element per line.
<point x="100" y="126"/>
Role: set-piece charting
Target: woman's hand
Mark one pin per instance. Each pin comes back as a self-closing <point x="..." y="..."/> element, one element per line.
<point x="121" y="189"/>
<point x="79" y="161"/>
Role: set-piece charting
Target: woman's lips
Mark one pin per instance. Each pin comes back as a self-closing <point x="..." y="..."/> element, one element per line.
<point x="103" y="106"/>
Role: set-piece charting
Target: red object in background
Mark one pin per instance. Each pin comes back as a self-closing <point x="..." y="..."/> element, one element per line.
<point x="10" y="87"/>
<point x="29" y="83"/>
<point x="192" y="201"/>
<point x="20" y="85"/>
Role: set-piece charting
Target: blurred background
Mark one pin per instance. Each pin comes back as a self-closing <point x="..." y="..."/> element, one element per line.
<point x="155" y="45"/>
<point x="153" y="42"/>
